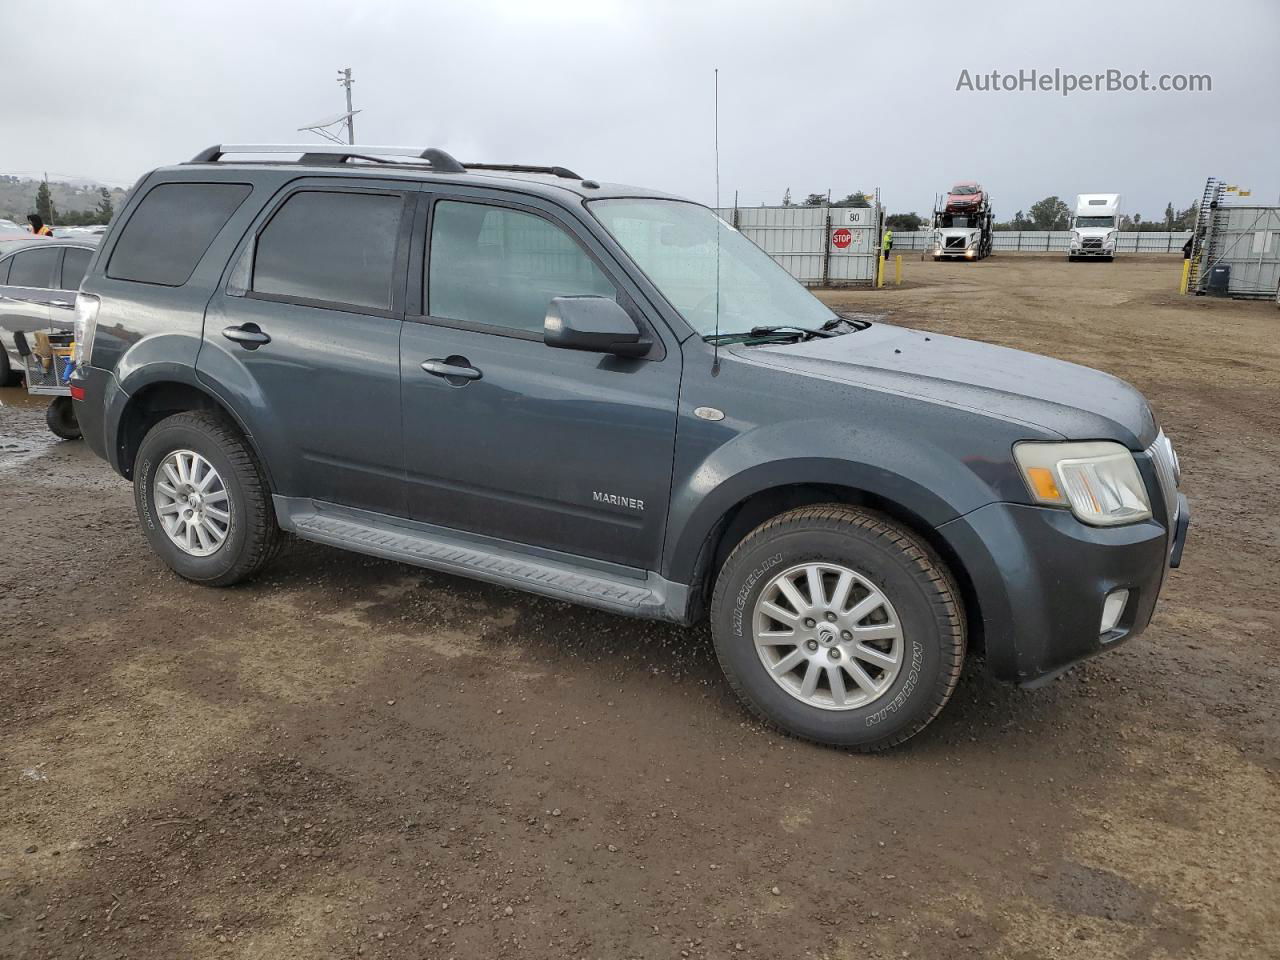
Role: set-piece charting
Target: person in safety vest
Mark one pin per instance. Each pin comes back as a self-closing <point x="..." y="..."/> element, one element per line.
<point x="887" y="243"/>
<point x="38" y="227"/>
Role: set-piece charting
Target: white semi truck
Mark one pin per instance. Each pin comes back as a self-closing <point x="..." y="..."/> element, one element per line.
<point x="1095" y="227"/>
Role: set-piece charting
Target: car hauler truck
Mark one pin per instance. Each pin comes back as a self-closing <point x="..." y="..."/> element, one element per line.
<point x="1096" y="226"/>
<point x="962" y="226"/>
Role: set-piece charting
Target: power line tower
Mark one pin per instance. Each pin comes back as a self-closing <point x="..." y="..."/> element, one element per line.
<point x="322" y="128"/>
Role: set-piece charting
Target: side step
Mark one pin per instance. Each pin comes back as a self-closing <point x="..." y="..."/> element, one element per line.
<point x="482" y="558"/>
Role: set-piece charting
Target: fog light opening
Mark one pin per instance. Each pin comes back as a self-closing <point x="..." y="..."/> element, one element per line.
<point x="1113" y="610"/>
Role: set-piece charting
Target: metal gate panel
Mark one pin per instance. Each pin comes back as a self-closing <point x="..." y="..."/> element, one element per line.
<point x="1248" y="240"/>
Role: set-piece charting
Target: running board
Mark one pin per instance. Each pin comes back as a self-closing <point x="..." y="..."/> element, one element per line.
<point x="482" y="558"/>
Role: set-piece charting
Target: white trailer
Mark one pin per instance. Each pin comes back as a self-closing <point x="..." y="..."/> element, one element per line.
<point x="1095" y="227"/>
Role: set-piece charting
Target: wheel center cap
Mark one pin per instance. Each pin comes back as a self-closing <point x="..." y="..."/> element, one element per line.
<point x="827" y="636"/>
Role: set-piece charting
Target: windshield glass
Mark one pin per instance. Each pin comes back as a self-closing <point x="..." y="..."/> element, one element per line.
<point x="1095" y="221"/>
<point x="674" y="242"/>
<point x="964" y="189"/>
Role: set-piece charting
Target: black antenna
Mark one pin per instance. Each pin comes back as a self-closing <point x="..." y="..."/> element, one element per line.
<point x="715" y="356"/>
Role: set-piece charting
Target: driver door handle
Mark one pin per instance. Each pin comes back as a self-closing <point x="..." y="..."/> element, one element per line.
<point x="442" y="368"/>
<point x="67" y="304"/>
<point x="248" y="335"/>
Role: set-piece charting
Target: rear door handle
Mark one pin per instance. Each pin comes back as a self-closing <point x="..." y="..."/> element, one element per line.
<point x="452" y="368"/>
<point x="65" y="304"/>
<point x="248" y="335"/>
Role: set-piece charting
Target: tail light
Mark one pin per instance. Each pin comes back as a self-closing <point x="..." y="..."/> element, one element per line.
<point x="86" y="322"/>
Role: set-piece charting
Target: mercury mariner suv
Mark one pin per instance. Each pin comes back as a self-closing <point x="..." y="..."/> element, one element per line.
<point x="607" y="395"/>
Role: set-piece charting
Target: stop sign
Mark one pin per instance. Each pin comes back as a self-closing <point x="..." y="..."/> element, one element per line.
<point x="842" y="238"/>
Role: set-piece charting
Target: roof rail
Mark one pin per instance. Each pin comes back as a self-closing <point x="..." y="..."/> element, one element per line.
<point x="341" y="153"/>
<point x="338" y="153"/>
<point x="564" y="172"/>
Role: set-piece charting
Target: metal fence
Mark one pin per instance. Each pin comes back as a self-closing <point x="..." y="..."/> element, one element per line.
<point x="819" y="246"/>
<point x="1247" y="241"/>
<point x="1054" y="241"/>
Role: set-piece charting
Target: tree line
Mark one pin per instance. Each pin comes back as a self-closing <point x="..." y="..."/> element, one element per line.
<point x="47" y="212"/>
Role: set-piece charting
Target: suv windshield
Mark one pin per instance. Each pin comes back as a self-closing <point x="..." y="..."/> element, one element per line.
<point x="1095" y="221"/>
<point x="678" y="245"/>
<point x="964" y="189"/>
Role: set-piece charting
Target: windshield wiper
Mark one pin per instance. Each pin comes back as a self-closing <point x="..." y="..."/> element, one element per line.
<point x="772" y="333"/>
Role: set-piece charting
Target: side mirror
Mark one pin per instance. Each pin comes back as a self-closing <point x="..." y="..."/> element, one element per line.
<point x="595" y="324"/>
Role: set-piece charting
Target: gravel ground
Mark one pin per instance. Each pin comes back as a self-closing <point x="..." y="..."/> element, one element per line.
<point x="352" y="757"/>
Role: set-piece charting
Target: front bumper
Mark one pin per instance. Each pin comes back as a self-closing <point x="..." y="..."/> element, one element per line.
<point x="1040" y="578"/>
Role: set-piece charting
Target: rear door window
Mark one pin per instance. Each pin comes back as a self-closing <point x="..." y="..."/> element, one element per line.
<point x="34" y="268"/>
<point x="328" y="247"/>
<point x="74" y="263"/>
<point x="171" y="229"/>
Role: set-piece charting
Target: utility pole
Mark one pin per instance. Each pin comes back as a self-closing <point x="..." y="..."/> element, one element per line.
<point x="344" y="78"/>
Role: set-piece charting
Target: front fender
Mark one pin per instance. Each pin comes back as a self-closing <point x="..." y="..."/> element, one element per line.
<point x="913" y="472"/>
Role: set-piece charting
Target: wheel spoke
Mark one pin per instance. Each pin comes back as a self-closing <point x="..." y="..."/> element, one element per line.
<point x="793" y="595"/>
<point x="881" y="631"/>
<point x="218" y="496"/>
<point x="166" y="488"/>
<point x="168" y="508"/>
<point x="817" y="592"/>
<point x="210" y="476"/>
<point x="861" y="677"/>
<point x="222" y="516"/>
<point x="788" y="663"/>
<point x="840" y="596"/>
<point x="866" y="606"/>
<point x="872" y="655"/>
<point x="835" y="677"/>
<point x="811" y="675"/>
<point x="778" y="613"/>
<point x="205" y="540"/>
<point x="174" y="479"/>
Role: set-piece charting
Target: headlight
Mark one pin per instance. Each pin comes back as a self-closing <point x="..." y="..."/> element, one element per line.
<point x="1098" y="480"/>
<point x="85" y="323"/>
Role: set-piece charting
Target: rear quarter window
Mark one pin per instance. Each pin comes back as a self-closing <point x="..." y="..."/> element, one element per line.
<point x="171" y="229"/>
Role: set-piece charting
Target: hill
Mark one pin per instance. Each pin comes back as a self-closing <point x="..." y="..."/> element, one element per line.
<point x="18" y="196"/>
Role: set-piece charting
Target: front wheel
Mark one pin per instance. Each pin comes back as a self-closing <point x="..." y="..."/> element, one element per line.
<point x="839" y="626"/>
<point x="203" y="500"/>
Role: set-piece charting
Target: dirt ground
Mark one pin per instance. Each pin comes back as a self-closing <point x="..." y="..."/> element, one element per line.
<point x="352" y="757"/>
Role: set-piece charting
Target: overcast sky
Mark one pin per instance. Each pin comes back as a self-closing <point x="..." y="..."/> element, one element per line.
<point x="813" y="95"/>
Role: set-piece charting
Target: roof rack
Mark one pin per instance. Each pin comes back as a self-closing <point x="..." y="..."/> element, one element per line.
<point x="323" y="153"/>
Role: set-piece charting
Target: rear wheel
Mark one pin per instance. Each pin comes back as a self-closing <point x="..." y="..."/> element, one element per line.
<point x="203" y="500"/>
<point x="839" y="626"/>
<point x="61" y="418"/>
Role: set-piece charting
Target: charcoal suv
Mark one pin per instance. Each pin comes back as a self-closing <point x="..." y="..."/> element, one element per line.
<point x="607" y="395"/>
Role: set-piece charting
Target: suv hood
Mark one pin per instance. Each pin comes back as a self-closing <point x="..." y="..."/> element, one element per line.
<point x="1075" y="402"/>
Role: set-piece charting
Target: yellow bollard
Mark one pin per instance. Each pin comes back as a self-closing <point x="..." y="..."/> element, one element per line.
<point x="1186" y="276"/>
<point x="880" y="271"/>
<point x="897" y="270"/>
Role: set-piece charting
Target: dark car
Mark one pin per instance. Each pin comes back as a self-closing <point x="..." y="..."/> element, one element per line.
<point x="607" y="395"/>
<point x="38" y="283"/>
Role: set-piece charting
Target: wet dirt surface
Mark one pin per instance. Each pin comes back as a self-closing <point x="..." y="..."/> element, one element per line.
<point x="350" y="757"/>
